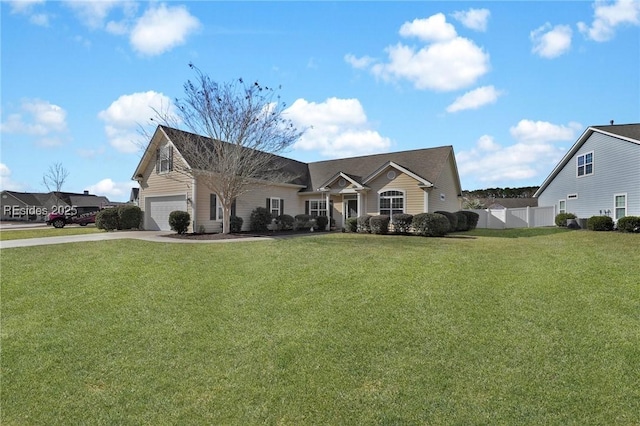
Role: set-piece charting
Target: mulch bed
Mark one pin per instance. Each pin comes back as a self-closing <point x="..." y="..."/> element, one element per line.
<point x="220" y="236"/>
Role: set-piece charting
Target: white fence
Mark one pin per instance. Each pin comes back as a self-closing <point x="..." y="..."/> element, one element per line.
<point x="525" y="217"/>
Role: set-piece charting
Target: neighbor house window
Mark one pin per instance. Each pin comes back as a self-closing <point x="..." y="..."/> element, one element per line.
<point x="620" y="203"/>
<point x="318" y="207"/>
<point x="585" y="164"/>
<point x="562" y="206"/>
<point x="164" y="159"/>
<point x="391" y="202"/>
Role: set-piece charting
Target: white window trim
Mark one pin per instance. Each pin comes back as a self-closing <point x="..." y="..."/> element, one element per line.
<point x="560" y="209"/>
<point x="585" y="164"/>
<point x="404" y="198"/>
<point x="279" y="208"/>
<point x="319" y="209"/>
<point x="165" y="154"/>
<point x="626" y="201"/>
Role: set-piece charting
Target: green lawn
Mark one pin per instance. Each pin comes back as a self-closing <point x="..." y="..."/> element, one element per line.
<point x="17" y="234"/>
<point x="326" y="329"/>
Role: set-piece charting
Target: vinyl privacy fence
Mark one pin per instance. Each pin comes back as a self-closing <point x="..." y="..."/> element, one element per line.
<point x="525" y="217"/>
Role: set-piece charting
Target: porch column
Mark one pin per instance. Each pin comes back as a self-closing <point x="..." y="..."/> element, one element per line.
<point x="328" y="196"/>
<point x="359" y="212"/>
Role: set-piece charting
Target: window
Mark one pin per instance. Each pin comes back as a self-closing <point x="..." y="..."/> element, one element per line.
<point x="585" y="164"/>
<point x="164" y="159"/>
<point x="620" y="206"/>
<point x="275" y="207"/>
<point x="215" y="209"/>
<point x="392" y="202"/>
<point x="318" y="207"/>
<point x="562" y="206"/>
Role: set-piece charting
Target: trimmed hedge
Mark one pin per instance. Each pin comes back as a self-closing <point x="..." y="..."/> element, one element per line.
<point x="629" y="224"/>
<point x="600" y="223"/>
<point x="285" y="222"/>
<point x="235" y="224"/>
<point x="129" y="216"/>
<point x="179" y="221"/>
<point x="402" y="223"/>
<point x="472" y="219"/>
<point x="561" y="219"/>
<point x="321" y="223"/>
<point x="351" y="225"/>
<point x="430" y="225"/>
<point x="363" y="224"/>
<point x="379" y="224"/>
<point x="260" y="220"/>
<point x="462" y="225"/>
<point x="452" y="217"/>
<point x="107" y="219"/>
<point x="302" y="221"/>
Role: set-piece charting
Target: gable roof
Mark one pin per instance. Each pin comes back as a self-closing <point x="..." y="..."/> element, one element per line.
<point x="427" y="164"/>
<point x="625" y="132"/>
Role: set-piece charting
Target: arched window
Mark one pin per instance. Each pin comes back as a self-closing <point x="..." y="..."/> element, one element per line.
<point x="391" y="202"/>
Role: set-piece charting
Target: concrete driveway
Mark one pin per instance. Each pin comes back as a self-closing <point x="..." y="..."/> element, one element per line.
<point x="156" y="236"/>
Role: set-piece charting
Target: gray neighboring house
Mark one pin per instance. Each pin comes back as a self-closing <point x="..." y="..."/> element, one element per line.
<point x="599" y="175"/>
<point x="35" y="206"/>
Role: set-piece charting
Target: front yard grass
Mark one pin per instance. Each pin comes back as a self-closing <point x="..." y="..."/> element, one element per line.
<point x="18" y="234"/>
<point x="327" y="329"/>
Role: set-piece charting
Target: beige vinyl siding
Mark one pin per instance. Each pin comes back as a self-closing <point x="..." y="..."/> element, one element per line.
<point x="247" y="202"/>
<point x="203" y="196"/>
<point x="172" y="183"/>
<point x="414" y="195"/>
<point x="446" y="184"/>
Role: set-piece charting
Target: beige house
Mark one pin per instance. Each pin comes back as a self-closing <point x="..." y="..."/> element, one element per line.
<point x="417" y="181"/>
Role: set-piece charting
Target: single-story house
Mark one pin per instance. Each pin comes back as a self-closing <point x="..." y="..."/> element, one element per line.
<point x="599" y="175"/>
<point x="417" y="181"/>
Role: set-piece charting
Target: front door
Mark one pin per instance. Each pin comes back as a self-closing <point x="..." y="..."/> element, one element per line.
<point x="352" y="208"/>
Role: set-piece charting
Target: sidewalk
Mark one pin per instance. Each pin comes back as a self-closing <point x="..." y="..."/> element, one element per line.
<point x="155" y="236"/>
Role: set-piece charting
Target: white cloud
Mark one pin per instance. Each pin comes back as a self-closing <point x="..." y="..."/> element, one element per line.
<point x="125" y="115"/>
<point x="608" y="16"/>
<point x="336" y="128"/>
<point x="38" y="118"/>
<point x="24" y="6"/>
<point x="161" y="28"/>
<point x="475" y="99"/>
<point x="447" y="61"/>
<point x="359" y="63"/>
<point x="551" y="42"/>
<point x="534" y="132"/>
<point x="475" y="19"/>
<point x="93" y="13"/>
<point x="433" y="28"/>
<point x="534" y="152"/>
<point x="6" y="183"/>
<point x="114" y="191"/>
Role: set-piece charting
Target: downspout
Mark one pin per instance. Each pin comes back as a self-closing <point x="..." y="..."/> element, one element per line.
<point x="193" y="203"/>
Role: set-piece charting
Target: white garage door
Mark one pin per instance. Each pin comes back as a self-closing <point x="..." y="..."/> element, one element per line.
<point x="158" y="209"/>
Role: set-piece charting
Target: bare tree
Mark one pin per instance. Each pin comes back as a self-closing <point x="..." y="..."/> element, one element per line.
<point x="244" y="127"/>
<point x="55" y="177"/>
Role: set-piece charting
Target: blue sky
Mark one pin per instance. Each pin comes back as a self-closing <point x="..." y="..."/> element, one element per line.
<point x="510" y="85"/>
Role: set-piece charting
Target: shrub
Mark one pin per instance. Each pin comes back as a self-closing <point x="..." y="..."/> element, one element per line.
<point x="179" y="221"/>
<point x="472" y="218"/>
<point x="629" y="224"/>
<point x="235" y="223"/>
<point x="379" y="224"/>
<point x="260" y="220"/>
<point x="129" y="216"/>
<point x="561" y="219"/>
<point x="452" y="217"/>
<point x="402" y="223"/>
<point x="363" y="223"/>
<point x="303" y="221"/>
<point x="351" y="224"/>
<point x="462" y="225"/>
<point x="430" y="224"/>
<point x="285" y="222"/>
<point x="600" y="223"/>
<point x="321" y="223"/>
<point x="107" y="219"/>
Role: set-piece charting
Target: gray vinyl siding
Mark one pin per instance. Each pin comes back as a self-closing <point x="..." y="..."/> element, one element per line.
<point x="616" y="170"/>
